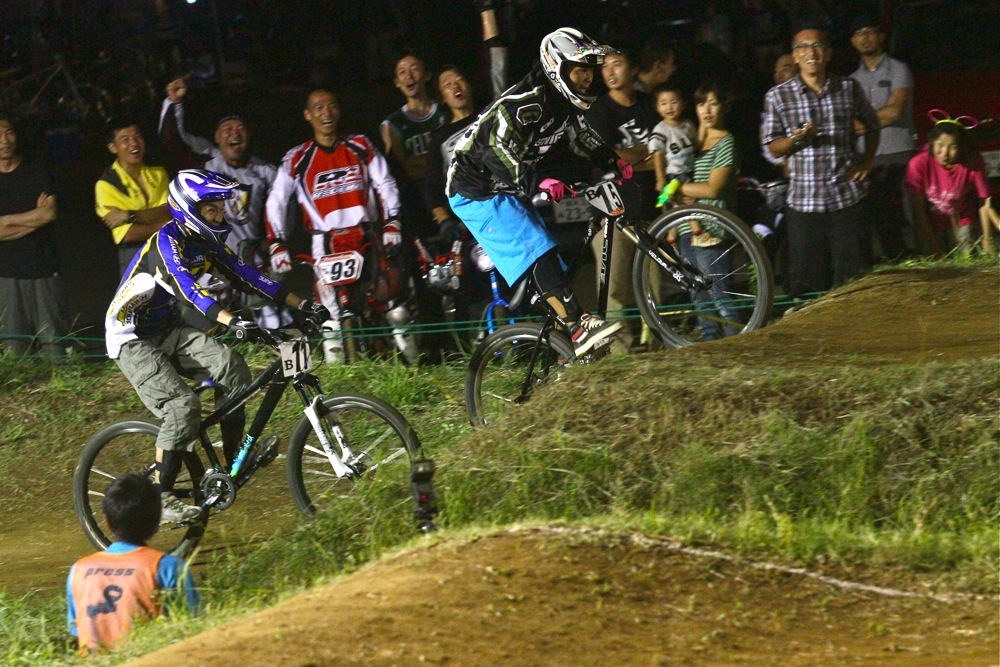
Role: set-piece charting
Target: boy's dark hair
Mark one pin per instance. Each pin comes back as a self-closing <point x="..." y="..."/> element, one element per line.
<point x="670" y="87"/>
<point x="118" y="124"/>
<point x="707" y="88"/>
<point x="132" y="507"/>
<point x="953" y="130"/>
<point x="653" y="51"/>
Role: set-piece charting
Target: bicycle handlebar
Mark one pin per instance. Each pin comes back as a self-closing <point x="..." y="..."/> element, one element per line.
<point x="574" y="189"/>
<point x="275" y="337"/>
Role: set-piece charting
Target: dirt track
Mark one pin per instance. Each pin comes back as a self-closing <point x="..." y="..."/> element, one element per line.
<point x="536" y="597"/>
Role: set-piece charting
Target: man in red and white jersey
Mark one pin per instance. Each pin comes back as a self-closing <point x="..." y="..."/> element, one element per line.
<point x="343" y="186"/>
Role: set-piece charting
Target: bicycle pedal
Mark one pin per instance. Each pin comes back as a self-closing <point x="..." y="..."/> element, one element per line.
<point x="600" y="350"/>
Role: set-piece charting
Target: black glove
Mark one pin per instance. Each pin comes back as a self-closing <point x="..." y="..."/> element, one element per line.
<point x="314" y="312"/>
<point x="483" y="5"/>
<point x="246" y="331"/>
<point x="451" y="228"/>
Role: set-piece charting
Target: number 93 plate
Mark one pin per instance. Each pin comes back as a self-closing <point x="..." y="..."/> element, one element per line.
<point x="341" y="268"/>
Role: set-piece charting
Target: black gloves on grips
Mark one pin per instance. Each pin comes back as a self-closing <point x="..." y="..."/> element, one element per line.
<point x="247" y="331"/>
<point x="314" y="312"/>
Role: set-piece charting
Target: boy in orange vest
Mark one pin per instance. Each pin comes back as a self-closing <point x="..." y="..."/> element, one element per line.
<point x="106" y="591"/>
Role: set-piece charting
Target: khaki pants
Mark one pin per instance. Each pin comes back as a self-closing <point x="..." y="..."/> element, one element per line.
<point x="156" y="368"/>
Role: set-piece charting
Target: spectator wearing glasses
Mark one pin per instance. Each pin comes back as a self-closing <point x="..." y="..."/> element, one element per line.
<point x="889" y="86"/>
<point x="809" y="121"/>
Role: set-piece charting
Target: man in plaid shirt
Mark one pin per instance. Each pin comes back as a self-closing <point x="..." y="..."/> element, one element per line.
<point x="809" y="121"/>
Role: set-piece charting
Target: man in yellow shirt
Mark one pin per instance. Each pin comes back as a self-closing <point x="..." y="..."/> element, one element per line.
<point x="131" y="197"/>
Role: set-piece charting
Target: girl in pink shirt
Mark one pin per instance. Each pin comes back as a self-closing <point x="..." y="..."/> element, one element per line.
<point x="948" y="184"/>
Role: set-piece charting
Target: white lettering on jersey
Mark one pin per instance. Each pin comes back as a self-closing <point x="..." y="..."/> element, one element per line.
<point x="337" y="181"/>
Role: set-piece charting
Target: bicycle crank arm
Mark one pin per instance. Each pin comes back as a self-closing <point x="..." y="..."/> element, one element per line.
<point x="312" y="414"/>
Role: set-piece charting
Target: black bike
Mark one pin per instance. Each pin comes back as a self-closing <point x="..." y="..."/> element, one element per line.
<point x="340" y="440"/>
<point x="696" y="267"/>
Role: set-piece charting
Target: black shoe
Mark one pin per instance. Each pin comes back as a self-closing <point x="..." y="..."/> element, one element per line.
<point x="590" y="331"/>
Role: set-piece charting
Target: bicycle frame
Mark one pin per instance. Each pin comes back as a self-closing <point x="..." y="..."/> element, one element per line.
<point x="498" y="301"/>
<point x="666" y="257"/>
<point x="311" y="394"/>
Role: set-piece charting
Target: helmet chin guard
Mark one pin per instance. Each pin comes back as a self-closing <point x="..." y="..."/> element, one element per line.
<point x="563" y="49"/>
<point x="190" y="188"/>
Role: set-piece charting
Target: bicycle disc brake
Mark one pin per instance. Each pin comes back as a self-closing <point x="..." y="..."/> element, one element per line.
<point x="219" y="490"/>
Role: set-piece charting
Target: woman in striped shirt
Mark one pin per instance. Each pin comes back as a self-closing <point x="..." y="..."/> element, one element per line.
<point x="714" y="184"/>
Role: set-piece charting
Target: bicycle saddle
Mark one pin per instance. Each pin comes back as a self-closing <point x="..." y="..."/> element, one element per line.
<point x="519" y="291"/>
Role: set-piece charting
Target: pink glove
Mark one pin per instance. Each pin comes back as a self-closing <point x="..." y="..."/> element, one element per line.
<point x="624" y="168"/>
<point x="557" y="189"/>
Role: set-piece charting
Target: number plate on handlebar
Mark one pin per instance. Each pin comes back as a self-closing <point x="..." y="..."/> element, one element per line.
<point x="341" y="268"/>
<point x="296" y="357"/>
<point x="605" y="198"/>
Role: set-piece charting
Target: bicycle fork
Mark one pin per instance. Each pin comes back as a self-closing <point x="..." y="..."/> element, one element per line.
<point x="526" y="387"/>
<point x="315" y="412"/>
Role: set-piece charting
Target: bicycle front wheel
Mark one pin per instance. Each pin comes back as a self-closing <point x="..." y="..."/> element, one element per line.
<point x="130" y="447"/>
<point x="501" y="365"/>
<point x="382" y="441"/>
<point x="740" y="283"/>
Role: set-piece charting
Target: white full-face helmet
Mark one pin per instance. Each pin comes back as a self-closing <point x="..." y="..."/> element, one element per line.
<point x="564" y="49"/>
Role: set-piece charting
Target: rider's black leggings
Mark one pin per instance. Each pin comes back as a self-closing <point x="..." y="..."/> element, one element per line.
<point x="549" y="279"/>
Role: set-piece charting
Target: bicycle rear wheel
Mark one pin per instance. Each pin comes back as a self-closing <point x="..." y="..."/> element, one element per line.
<point x="130" y="447"/>
<point x="500" y="365"/>
<point x="383" y="443"/>
<point x="741" y="293"/>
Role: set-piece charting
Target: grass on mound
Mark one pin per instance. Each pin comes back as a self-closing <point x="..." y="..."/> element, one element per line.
<point x="894" y="466"/>
<point x="892" y="469"/>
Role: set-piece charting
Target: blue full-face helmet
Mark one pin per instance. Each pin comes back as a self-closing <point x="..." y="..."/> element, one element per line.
<point x="188" y="189"/>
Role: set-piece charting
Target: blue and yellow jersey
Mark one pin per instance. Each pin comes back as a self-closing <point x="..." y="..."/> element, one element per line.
<point x="166" y="270"/>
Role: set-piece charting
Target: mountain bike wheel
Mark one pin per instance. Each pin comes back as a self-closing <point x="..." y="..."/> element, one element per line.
<point x="742" y="290"/>
<point x="129" y="447"/>
<point x="382" y="441"/>
<point x="499" y="368"/>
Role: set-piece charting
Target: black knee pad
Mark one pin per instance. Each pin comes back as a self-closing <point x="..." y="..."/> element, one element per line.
<point x="549" y="280"/>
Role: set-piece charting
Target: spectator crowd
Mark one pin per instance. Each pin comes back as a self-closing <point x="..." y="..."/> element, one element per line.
<point x="348" y="207"/>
